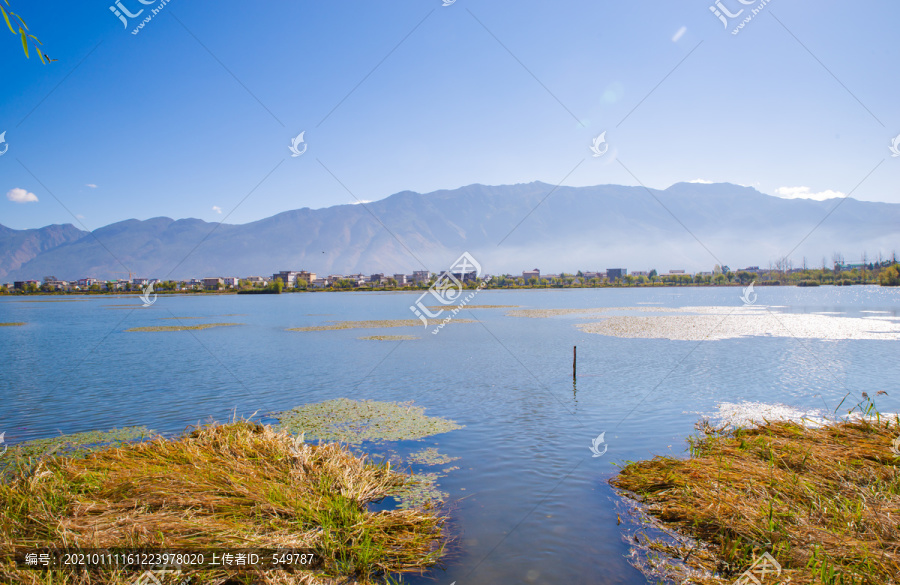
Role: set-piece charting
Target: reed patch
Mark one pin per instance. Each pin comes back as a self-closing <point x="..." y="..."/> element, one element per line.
<point x="238" y="485"/>
<point x="823" y="501"/>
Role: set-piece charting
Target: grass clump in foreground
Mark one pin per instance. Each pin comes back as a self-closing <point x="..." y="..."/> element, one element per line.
<point x="232" y="486"/>
<point x="824" y="502"/>
<point x="182" y="327"/>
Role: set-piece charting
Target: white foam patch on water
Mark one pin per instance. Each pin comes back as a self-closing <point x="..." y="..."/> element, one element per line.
<point x="751" y="414"/>
<point x="715" y="323"/>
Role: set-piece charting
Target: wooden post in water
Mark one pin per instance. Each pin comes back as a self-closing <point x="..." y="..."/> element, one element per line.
<point x="574" y="359"/>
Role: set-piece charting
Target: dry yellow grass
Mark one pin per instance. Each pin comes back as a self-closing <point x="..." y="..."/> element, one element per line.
<point x="825" y="502"/>
<point x="233" y="486"/>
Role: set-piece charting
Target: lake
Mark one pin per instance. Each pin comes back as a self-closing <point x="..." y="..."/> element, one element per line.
<point x="529" y="503"/>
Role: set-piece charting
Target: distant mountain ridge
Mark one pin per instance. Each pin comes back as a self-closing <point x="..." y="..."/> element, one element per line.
<point x="18" y="247"/>
<point x="507" y="228"/>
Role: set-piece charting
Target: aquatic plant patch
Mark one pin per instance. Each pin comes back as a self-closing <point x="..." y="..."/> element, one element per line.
<point x="430" y="456"/>
<point x="373" y="324"/>
<point x="421" y="492"/>
<point x="355" y="421"/>
<point x="15" y="324"/>
<point x="182" y="327"/>
<point x="389" y="338"/>
<point x="22" y="456"/>
<point x="442" y="307"/>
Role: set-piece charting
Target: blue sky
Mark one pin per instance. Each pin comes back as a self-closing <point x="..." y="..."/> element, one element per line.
<point x="195" y="113"/>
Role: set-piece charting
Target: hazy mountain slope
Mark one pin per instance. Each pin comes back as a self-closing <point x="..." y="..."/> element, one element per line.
<point x="507" y="228"/>
<point x="20" y="246"/>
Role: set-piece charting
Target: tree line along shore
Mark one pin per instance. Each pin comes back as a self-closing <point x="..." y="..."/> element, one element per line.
<point x="886" y="275"/>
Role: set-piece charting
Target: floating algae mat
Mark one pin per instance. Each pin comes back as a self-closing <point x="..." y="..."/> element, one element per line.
<point x="389" y="338"/>
<point x="355" y="421"/>
<point x="221" y="487"/>
<point x="422" y="490"/>
<point x="182" y="327"/>
<point x="430" y="456"/>
<point x="17" y="324"/>
<point x="207" y="317"/>
<point x="442" y="307"/>
<point x="18" y="456"/>
<point x="374" y="324"/>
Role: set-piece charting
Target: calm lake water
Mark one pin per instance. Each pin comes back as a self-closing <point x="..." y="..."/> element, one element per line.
<point x="529" y="503"/>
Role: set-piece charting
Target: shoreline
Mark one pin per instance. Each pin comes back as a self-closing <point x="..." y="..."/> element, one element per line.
<point x="253" y="292"/>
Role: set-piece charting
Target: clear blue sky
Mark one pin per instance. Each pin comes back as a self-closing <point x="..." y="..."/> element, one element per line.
<point x="196" y="110"/>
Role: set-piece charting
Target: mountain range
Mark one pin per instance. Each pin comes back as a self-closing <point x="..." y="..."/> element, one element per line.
<point x="507" y="228"/>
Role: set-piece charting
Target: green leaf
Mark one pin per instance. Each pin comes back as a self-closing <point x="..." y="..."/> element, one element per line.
<point x="37" y="40"/>
<point x="20" y="19"/>
<point x="6" y="18"/>
<point x="24" y="42"/>
<point x="41" y="55"/>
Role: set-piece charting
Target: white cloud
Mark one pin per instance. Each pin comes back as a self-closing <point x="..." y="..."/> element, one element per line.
<point x="701" y="181"/>
<point x="21" y="196"/>
<point x="806" y="193"/>
<point x="357" y="202"/>
<point x="91" y="185"/>
<point x="217" y="209"/>
<point x="679" y="34"/>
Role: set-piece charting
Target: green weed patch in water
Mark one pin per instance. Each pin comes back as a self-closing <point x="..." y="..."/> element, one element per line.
<point x="20" y="457"/>
<point x="355" y="421"/>
<point x="182" y="327"/>
<point x="389" y="338"/>
<point x="421" y="492"/>
<point x="16" y="324"/>
<point x="209" y="317"/>
<point x="445" y="307"/>
<point x="430" y="456"/>
<point x="337" y="325"/>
